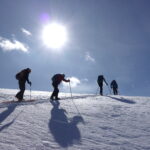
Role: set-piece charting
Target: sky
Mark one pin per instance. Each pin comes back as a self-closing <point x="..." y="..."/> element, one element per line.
<point x="104" y="37"/>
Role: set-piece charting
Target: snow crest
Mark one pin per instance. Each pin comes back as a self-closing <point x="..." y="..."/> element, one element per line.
<point x="84" y="122"/>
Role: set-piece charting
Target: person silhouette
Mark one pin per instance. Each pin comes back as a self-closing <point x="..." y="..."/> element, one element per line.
<point x="56" y="80"/>
<point x="100" y="81"/>
<point x="22" y="77"/>
<point x="114" y="86"/>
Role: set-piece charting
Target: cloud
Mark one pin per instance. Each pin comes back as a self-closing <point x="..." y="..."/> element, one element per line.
<point x="89" y="58"/>
<point x="26" y="32"/>
<point x="79" y="86"/>
<point x="10" y="45"/>
<point x="73" y="81"/>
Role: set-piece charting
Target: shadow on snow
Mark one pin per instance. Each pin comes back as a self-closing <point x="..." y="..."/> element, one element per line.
<point x="123" y="100"/>
<point x="5" y="114"/>
<point x="4" y="104"/>
<point x="63" y="129"/>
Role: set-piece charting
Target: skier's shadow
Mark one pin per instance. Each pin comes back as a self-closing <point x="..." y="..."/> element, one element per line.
<point x="65" y="132"/>
<point x="5" y="114"/>
<point x="122" y="100"/>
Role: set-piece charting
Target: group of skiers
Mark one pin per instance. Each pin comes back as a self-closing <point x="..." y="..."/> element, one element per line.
<point x="23" y="77"/>
<point x="113" y="85"/>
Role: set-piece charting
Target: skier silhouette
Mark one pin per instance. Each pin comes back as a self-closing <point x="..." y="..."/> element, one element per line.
<point x="100" y="81"/>
<point x="22" y="77"/>
<point x="114" y="86"/>
<point x="56" y="80"/>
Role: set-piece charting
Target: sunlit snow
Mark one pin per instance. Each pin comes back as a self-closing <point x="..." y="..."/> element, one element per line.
<point x="86" y="122"/>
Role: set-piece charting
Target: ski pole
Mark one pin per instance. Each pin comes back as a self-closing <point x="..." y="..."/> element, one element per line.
<point x="30" y="92"/>
<point x="118" y="92"/>
<point x="109" y="89"/>
<point x="73" y="101"/>
<point x="70" y="90"/>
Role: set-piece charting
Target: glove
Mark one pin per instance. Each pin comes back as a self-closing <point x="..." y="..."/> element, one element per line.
<point x="68" y="80"/>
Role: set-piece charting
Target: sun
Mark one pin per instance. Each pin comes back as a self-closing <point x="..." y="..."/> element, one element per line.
<point x="54" y="35"/>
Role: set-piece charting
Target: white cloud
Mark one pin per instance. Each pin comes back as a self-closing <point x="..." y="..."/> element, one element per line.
<point x="26" y="32"/>
<point x="79" y="86"/>
<point x="10" y="45"/>
<point x="74" y="82"/>
<point x="89" y="58"/>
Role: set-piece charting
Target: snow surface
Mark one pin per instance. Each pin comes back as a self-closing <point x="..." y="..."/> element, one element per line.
<point x="88" y="122"/>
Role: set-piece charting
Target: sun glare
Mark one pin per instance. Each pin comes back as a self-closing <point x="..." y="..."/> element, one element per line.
<point x="54" y="35"/>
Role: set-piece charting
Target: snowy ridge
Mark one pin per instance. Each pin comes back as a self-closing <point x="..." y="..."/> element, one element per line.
<point x="89" y="122"/>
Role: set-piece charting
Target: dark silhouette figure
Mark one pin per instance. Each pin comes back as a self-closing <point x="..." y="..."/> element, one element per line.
<point x="64" y="130"/>
<point x="100" y="81"/>
<point x="56" y="80"/>
<point x="22" y="77"/>
<point x="114" y="86"/>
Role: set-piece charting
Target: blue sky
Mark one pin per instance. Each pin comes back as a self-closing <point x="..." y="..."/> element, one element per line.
<point x="109" y="37"/>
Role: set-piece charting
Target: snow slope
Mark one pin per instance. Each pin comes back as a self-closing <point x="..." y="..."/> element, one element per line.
<point x="87" y="122"/>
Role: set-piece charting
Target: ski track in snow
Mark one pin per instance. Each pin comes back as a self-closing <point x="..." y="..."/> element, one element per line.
<point x="88" y="122"/>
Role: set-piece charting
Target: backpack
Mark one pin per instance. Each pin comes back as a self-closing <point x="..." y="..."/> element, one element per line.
<point x="54" y="78"/>
<point x="18" y="76"/>
<point x="114" y="84"/>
